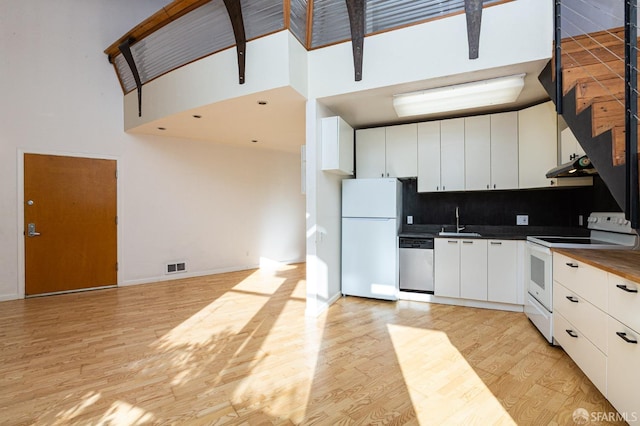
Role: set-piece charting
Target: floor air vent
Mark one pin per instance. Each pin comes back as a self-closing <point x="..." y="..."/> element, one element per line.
<point x="174" y="268"/>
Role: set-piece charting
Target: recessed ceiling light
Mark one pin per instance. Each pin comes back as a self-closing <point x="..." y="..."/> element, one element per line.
<point x="196" y="116"/>
<point x="162" y="128"/>
<point x="262" y="102"/>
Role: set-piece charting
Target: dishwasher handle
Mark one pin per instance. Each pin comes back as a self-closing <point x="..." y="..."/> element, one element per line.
<point x="416" y="243"/>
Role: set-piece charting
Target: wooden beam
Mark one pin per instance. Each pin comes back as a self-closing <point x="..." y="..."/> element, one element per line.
<point x="309" y="34"/>
<point x="234" y="9"/>
<point x="167" y="14"/>
<point x="473" y="10"/>
<point x="357" y="23"/>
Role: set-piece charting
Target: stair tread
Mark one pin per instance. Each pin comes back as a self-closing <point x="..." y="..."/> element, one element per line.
<point x="571" y="76"/>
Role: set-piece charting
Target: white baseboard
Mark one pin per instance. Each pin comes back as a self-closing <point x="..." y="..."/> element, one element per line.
<point x="421" y="297"/>
<point x="315" y="310"/>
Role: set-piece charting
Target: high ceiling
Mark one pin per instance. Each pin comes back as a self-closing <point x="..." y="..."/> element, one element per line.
<point x="186" y="30"/>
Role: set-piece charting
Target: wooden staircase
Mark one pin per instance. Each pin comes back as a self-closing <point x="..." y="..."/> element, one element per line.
<point x="593" y="101"/>
<point x="593" y="64"/>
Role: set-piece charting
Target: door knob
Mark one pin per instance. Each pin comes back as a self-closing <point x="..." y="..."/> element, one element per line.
<point x="31" y="230"/>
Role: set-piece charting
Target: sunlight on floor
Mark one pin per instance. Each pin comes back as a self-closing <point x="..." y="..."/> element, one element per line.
<point x="265" y="387"/>
<point x="122" y="413"/>
<point x="437" y="399"/>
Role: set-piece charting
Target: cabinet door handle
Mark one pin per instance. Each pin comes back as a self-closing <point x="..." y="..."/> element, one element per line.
<point x="572" y="265"/>
<point x="452" y="241"/>
<point x="496" y="243"/>
<point x="494" y="186"/>
<point x="572" y="299"/>
<point x="381" y="174"/>
<point x="572" y="333"/>
<point x="624" y="337"/>
<point x="467" y="242"/>
<point x="627" y="289"/>
<point x="487" y="186"/>
<point x="443" y="187"/>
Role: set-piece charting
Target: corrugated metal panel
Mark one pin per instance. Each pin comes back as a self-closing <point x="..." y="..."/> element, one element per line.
<point x="208" y="29"/>
<point x="330" y="22"/>
<point x="299" y="20"/>
<point x="192" y="36"/>
<point x="262" y="17"/>
<point x="124" y="72"/>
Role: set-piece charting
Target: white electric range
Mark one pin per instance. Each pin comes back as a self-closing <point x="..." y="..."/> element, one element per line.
<point x="608" y="231"/>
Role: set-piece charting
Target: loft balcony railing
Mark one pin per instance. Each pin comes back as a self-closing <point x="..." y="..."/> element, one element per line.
<point x="595" y="52"/>
<point x="185" y="31"/>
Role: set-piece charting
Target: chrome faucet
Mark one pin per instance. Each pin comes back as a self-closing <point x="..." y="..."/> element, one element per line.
<point x="458" y="227"/>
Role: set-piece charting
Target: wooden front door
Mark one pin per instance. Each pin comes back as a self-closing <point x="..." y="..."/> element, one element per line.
<point x="70" y="223"/>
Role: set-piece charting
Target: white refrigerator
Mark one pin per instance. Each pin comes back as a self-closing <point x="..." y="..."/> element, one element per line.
<point x="371" y="210"/>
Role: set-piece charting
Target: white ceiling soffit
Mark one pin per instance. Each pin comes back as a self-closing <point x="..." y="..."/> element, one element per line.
<point x="278" y="125"/>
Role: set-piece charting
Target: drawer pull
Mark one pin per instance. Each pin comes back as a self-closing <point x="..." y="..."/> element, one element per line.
<point x="572" y="265"/>
<point x="572" y="333"/>
<point x="467" y="242"/>
<point x="627" y="289"/>
<point x="496" y="243"/>
<point x="624" y="337"/>
<point x="452" y="241"/>
<point x="572" y="299"/>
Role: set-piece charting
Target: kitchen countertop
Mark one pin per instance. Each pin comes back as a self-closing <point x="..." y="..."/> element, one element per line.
<point x="625" y="263"/>
<point x="492" y="232"/>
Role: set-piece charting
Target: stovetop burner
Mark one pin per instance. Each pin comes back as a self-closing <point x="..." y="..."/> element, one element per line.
<point x="608" y="231"/>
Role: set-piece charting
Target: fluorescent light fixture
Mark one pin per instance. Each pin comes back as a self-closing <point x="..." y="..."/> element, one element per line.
<point x="496" y="91"/>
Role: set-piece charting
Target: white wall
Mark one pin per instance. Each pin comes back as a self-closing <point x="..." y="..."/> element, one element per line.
<point x="178" y="200"/>
<point x="512" y="33"/>
<point x="324" y="195"/>
<point x="273" y="61"/>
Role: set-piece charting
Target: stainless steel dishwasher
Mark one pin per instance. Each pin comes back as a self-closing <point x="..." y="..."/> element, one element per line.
<point x="416" y="264"/>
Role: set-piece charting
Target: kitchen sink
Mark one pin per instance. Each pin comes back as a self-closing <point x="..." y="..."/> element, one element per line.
<point x="459" y="234"/>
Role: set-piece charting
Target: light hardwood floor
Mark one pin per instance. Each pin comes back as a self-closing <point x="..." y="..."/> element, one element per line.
<point x="237" y="349"/>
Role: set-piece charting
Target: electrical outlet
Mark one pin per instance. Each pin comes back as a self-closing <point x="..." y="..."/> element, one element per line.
<point x="522" y="219"/>
<point x="409" y="220"/>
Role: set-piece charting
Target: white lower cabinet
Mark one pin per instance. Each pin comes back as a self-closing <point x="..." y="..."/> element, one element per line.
<point x="596" y="322"/>
<point x="473" y="269"/>
<point x="447" y="267"/>
<point x="583" y="352"/>
<point x="477" y="269"/>
<point x="623" y="370"/>
<point x="502" y="272"/>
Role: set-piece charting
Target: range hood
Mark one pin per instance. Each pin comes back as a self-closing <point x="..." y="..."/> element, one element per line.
<point x="579" y="167"/>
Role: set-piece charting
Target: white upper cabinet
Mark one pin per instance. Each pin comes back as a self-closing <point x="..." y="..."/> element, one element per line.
<point x="538" y="145"/>
<point x="370" y="153"/>
<point x="452" y="154"/>
<point x="401" y="150"/>
<point x="504" y="150"/>
<point x="429" y="156"/>
<point x="570" y="148"/>
<point x="477" y="152"/>
<point x="387" y="152"/>
<point x="337" y="146"/>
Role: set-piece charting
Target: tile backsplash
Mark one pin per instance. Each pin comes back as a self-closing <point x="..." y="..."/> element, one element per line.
<point x="545" y="207"/>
